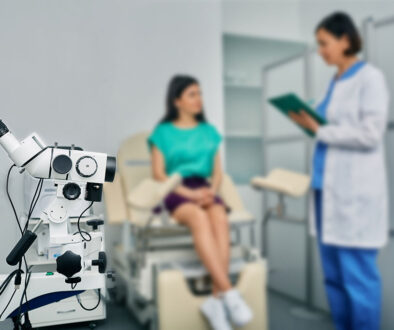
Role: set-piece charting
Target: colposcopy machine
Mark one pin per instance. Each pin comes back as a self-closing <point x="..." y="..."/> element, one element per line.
<point x="80" y="257"/>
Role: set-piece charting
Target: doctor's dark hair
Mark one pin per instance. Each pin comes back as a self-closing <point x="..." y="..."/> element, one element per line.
<point x="176" y="87"/>
<point x="340" y="24"/>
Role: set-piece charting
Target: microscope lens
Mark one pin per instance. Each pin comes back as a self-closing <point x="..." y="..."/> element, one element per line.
<point x="3" y="128"/>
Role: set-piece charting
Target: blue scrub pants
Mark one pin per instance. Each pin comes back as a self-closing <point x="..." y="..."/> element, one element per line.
<point x="352" y="282"/>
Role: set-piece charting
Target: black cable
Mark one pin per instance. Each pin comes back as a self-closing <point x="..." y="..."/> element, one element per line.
<point x="37" y="194"/>
<point x="33" y="204"/>
<point x="93" y="308"/>
<point x="5" y="283"/>
<point x="24" y="293"/>
<point x="79" y="225"/>
<point x="82" y="231"/>
<point x="27" y="280"/>
<point x="19" y="270"/>
<point x="9" y="197"/>
<point x="27" y="324"/>
<point x="9" y="302"/>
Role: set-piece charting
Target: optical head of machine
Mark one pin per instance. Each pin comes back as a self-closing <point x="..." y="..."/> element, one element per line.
<point x="74" y="164"/>
<point x="69" y="163"/>
<point x="83" y="171"/>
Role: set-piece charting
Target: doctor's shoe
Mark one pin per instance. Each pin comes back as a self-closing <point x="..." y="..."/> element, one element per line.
<point x="214" y="311"/>
<point x="237" y="309"/>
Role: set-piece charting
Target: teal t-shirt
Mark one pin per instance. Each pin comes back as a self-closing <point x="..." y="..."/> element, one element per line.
<point x="187" y="151"/>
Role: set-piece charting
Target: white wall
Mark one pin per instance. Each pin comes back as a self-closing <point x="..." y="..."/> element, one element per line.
<point x="312" y="11"/>
<point x="92" y="72"/>
<point x="278" y="19"/>
<point x="293" y="19"/>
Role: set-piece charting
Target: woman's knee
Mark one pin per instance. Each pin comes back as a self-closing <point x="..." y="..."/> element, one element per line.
<point x="195" y="217"/>
<point x="200" y="219"/>
<point x="218" y="216"/>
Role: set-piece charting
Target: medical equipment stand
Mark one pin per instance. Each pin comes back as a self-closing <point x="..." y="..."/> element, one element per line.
<point x="68" y="310"/>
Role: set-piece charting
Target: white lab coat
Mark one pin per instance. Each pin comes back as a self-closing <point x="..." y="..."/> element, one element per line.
<point x="355" y="201"/>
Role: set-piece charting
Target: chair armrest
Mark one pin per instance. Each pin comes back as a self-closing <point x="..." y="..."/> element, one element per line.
<point x="150" y="193"/>
<point x="283" y="181"/>
<point x="229" y="193"/>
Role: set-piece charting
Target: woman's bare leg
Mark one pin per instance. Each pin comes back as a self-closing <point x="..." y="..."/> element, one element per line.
<point x="220" y="228"/>
<point x="198" y="222"/>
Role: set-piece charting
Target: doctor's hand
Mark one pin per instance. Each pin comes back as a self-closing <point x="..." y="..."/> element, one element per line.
<point x="305" y="120"/>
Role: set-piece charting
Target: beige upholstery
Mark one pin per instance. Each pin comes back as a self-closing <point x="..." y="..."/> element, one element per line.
<point x="149" y="193"/>
<point x="132" y="197"/>
<point x="283" y="181"/>
<point x="174" y="296"/>
<point x="134" y="194"/>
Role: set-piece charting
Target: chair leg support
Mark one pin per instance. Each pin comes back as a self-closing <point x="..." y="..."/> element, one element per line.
<point x="264" y="234"/>
<point x="252" y="236"/>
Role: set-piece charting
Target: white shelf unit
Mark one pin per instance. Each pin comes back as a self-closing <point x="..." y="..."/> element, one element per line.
<point x="258" y="138"/>
<point x="244" y="59"/>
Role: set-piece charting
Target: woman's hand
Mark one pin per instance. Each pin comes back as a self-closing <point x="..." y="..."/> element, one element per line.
<point x="305" y="120"/>
<point x="209" y="198"/>
<point x="203" y="196"/>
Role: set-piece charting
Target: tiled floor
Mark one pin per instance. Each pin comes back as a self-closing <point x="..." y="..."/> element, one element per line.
<point x="280" y="318"/>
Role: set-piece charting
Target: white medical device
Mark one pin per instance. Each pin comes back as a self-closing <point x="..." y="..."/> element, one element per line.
<point x="47" y="196"/>
<point x="78" y="175"/>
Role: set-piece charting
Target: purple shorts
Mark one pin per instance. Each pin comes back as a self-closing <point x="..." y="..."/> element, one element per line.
<point x="173" y="200"/>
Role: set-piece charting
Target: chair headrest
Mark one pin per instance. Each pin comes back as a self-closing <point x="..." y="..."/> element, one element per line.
<point x="134" y="152"/>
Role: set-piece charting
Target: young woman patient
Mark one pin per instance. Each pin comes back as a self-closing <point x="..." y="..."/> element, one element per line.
<point x="184" y="143"/>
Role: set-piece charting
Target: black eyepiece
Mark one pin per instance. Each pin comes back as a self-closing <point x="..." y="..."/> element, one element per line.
<point x="3" y="129"/>
<point x="111" y="169"/>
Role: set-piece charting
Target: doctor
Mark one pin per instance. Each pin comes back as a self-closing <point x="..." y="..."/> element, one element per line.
<point x="349" y="204"/>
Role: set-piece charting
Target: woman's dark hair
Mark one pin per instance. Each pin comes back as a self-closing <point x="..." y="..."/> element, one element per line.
<point x="341" y="24"/>
<point x="176" y="87"/>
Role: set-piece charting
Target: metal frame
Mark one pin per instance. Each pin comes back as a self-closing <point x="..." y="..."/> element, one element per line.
<point x="369" y="26"/>
<point x="278" y="212"/>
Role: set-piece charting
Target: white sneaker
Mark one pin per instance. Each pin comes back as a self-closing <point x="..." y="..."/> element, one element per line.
<point x="237" y="309"/>
<point x="214" y="311"/>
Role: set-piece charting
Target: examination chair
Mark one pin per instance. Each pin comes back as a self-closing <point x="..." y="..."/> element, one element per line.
<point x="158" y="272"/>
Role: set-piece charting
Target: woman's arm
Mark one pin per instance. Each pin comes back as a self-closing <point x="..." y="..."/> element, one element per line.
<point x="217" y="174"/>
<point x="158" y="165"/>
<point x="368" y="133"/>
<point x="216" y="180"/>
<point x="159" y="174"/>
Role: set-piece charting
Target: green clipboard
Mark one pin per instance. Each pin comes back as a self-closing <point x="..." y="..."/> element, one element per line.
<point x="291" y="102"/>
